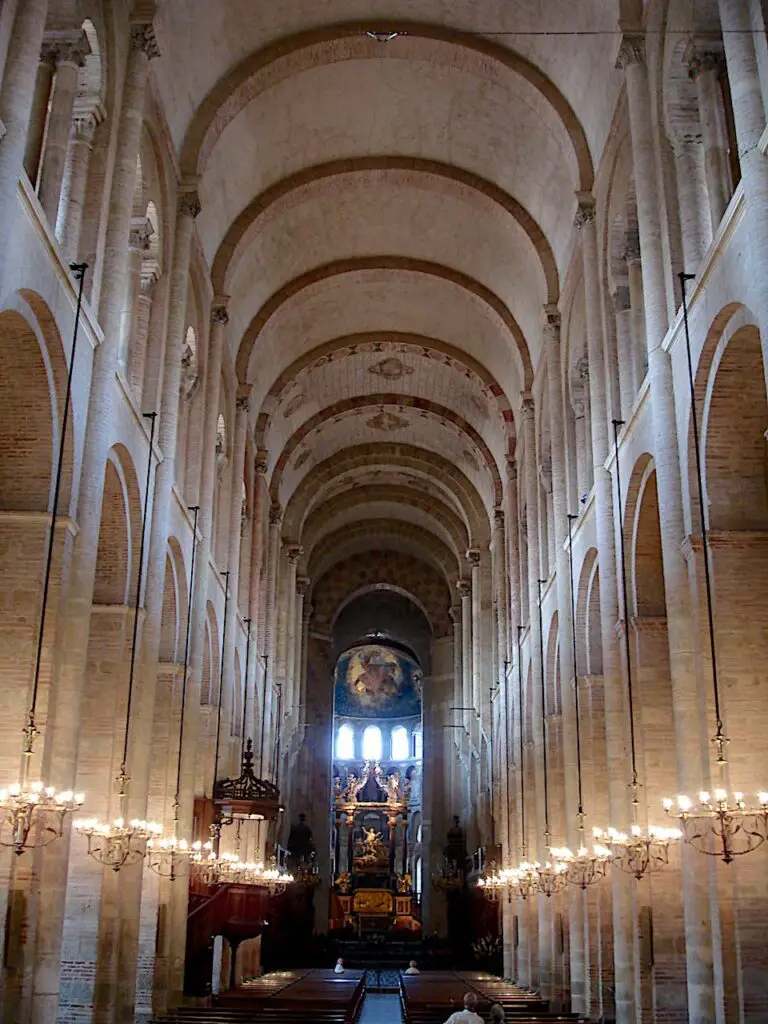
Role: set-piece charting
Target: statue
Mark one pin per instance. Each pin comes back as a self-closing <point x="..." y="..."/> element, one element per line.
<point x="301" y="845"/>
<point x="393" y="787"/>
<point x="456" y="848"/>
<point x="369" y="850"/>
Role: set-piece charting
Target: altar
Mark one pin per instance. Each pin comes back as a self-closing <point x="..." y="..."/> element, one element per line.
<point x="372" y="890"/>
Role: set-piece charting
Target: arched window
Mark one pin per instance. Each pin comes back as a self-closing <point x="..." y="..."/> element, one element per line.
<point x="417" y="876"/>
<point x="345" y="743"/>
<point x="417" y="744"/>
<point x="400" y="746"/>
<point x="372" y="743"/>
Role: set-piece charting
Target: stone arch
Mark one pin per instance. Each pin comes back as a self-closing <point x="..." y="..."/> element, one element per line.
<point x="351" y="405"/>
<point x="384" y="341"/>
<point x="340" y="42"/>
<point x="396" y="264"/>
<point x="552" y="667"/>
<point x="439" y="468"/>
<point x="118" y="550"/>
<point x="237" y="699"/>
<point x="384" y="568"/>
<point x="449" y="177"/>
<point x="589" y="644"/>
<point x="314" y="525"/>
<point x="209" y="686"/>
<point x="378" y="533"/>
<point x="173" y="622"/>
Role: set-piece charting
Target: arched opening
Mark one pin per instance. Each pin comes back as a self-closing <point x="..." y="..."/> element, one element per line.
<point x="345" y="742"/>
<point x="372" y="745"/>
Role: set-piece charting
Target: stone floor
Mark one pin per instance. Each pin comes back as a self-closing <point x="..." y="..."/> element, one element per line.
<point x="379" y="1008"/>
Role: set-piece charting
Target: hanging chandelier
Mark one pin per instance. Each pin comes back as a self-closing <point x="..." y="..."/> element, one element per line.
<point x="639" y="851"/>
<point x="583" y="868"/>
<point x="124" y="842"/>
<point x="33" y="814"/>
<point x="227" y="869"/>
<point x="720" y="825"/>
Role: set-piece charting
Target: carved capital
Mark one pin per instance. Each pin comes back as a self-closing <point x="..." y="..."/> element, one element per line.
<point x="585" y="213"/>
<point x="582" y="369"/>
<point x="261" y="461"/>
<point x="141" y="233"/>
<point x="293" y="553"/>
<point x="220" y="316"/>
<point x="631" y="51"/>
<point x="631" y="253"/>
<point x="498" y="517"/>
<point x="143" y="40"/>
<point x="188" y="203"/>
<point x="84" y="128"/>
<point x="150" y="275"/>
<point x="512" y="468"/>
<point x="552" y="322"/>
<point x="275" y="515"/>
<point x="464" y="588"/>
<point x="473" y="557"/>
<point x="527" y="408"/>
<point x="302" y="586"/>
<point x="621" y="303"/>
<point x="701" y="58"/>
<point x="65" y="48"/>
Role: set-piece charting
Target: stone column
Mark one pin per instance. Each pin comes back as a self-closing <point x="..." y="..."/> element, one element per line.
<point x="464" y="588"/>
<point x="219" y="322"/>
<point x="749" y="119"/>
<point x="690" y="743"/>
<point x="237" y="469"/>
<point x="71" y="52"/>
<point x="616" y="713"/>
<point x="17" y="98"/>
<point x="704" y="67"/>
<point x="513" y="554"/>
<point x="70" y="219"/>
<point x="270" y="632"/>
<point x="637" y="307"/>
<point x="254" y="610"/>
<point x="294" y="553"/>
<point x="148" y="278"/>
<point x="627" y="384"/>
<point x="693" y="204"/>
<point x="64" y="726"/>
<point x="573" y="837"/>
<point x="581" y="416"/>
<point x="473" y="557"/>
<point x="138" y="246"/>
<point x="299" y="666"/>
<point x="39" y="113"/>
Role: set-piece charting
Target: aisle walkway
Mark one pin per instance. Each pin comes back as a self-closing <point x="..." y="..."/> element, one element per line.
<point x="380" y="1008"/>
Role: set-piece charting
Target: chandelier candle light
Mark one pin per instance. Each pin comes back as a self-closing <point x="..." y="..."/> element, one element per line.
<point x="582" y="868"/>
<point x="32" y="814"/>
<point x="124" y="842"/>
<point x="720" y="824"/>
<point x="165" y="856"/>
<point x="640" y="850"/>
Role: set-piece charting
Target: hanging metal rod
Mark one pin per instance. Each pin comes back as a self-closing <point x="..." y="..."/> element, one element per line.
<point x="580" y="811"/>
<point x="634" y="785"/>
<point x="547" y="833"/>
<point x="30" y="730"/>
<point x="523" y="841"/>
<point x="719" y="738"/>
<point x="225" y="576"/>
<point x="195" y="510"/>
<point x="152" y="417"/>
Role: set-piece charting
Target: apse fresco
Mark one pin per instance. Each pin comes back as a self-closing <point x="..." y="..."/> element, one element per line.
<point x="376" y="682"/>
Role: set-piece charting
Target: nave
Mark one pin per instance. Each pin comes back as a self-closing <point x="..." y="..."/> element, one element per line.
<point x="384" y="502"/>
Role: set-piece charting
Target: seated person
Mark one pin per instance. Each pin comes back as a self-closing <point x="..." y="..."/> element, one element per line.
<point x="339" y="968"/>
<point x="468" y="1014"/>
<point x="497" y="1014"/>
<point x="412" y="968"/>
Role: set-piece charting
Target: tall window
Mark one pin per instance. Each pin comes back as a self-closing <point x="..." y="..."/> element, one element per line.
<point x="345" y="743"/>
<point x="417" y="874"/>
<point x="372" y="743"/>
<point x="417" y="744"/>
<point x="400" y="747"/>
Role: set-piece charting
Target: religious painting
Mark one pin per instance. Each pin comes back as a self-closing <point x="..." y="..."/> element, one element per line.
<point x="377" y="682"/>
<point x="372" y="901"/>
